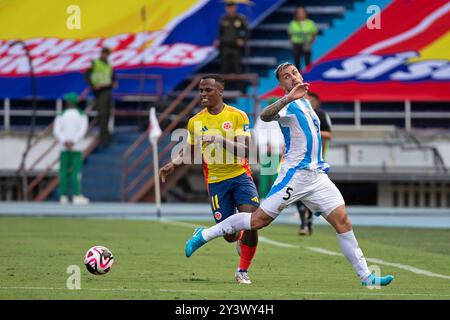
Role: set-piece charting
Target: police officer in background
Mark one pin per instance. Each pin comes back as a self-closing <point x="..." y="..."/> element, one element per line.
<point x="101" y="78"/>
<point x="233" y="36"/>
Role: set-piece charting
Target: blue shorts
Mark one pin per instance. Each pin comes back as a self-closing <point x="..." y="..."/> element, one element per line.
<point x="225" y="196"/>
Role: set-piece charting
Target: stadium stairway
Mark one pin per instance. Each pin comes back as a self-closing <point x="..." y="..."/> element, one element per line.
<point x="102" y="172"/>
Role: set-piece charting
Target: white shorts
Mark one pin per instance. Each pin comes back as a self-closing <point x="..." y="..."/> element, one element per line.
<point x="313" y="188"/>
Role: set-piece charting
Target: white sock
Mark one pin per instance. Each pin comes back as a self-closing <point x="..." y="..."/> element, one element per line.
<point x="353" y="253"/>
<point x="232" y="224"/>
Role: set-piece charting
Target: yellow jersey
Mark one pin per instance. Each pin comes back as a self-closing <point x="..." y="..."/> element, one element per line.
<point x="218" y="163"/>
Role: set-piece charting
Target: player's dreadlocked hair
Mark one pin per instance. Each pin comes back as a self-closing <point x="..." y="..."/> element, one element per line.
<point x="280" y="68"/>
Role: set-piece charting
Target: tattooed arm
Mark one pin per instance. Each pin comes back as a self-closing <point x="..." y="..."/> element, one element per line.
<point x="270" y="113"/>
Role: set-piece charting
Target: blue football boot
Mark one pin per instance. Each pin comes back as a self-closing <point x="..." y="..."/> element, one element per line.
<point x="373" y="280"/>
<point x="195" y="242"/>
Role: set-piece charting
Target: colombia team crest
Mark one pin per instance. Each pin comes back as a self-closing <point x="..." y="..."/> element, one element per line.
<point x="227" y="125"/>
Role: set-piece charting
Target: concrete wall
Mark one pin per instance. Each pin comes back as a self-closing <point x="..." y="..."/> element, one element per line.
<point x="418" y="194"/>
<point x="12" y="148"/>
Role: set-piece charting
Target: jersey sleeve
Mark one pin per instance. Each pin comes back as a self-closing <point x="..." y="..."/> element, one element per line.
<point x="243" y="125"/>
<point x="191" y="134"/>
<point x="282" y="113"/>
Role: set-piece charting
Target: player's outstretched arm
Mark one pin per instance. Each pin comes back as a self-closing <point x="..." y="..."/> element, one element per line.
<point x="270" y="113"/>
<point x="175" y="163"/>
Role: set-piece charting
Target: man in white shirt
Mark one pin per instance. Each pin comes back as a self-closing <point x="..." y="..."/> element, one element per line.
<point x="69" y="128"/>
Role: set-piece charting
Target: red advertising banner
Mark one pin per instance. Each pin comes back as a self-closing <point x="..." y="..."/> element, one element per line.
<point x="407" y="58"/>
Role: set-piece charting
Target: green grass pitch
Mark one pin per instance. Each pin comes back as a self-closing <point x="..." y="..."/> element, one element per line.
<point x="150" y="263"/>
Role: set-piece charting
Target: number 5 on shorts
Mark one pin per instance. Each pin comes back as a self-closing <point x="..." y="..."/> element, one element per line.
<point x="288" y="193"/>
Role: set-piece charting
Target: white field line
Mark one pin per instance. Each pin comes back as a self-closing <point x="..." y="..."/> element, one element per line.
<point x="409" y="268"/>
<point x="277" y="243"/>
<point x="182" y="224"/>
<point x="330" y="253"/>
<point x="379" y="261"/>
<point x="374" y="293"/>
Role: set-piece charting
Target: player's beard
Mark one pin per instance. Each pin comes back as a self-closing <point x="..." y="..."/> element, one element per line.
<point x="292" y="86"/>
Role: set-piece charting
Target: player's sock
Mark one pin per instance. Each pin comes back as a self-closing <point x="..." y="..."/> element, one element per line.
<point x="232" y="224"/>
<point x="353" y="253"/>
<point x="302" y="219"/>
<point x="247" y="254"/>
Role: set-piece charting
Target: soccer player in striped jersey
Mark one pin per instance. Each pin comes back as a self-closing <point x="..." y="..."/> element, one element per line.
<point x="302" y="177"/>
<point x="223" y="133"/>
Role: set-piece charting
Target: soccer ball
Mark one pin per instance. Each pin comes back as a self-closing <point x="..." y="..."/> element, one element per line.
<point x="98" y="260"/>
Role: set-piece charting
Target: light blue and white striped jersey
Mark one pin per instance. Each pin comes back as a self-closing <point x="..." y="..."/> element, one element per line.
<point x="300" y="126"/>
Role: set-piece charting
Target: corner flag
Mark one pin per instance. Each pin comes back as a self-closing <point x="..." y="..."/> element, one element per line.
<point x="154" y="129"/>
<point x="154" y="133"/>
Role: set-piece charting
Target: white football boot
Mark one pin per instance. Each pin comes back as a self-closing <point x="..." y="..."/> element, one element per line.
<point x="63" y="200"/>
<point x="80" y="200"/>
<point x="242" y="277"/>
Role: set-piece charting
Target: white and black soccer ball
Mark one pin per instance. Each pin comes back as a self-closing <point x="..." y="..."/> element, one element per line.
<point x="98" y="260"/>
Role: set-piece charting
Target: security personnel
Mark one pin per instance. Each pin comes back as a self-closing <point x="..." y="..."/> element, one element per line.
<point x="101" y="78"/>
<point x="233" y="35"/>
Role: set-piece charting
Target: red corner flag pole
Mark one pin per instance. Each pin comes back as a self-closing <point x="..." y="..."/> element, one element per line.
<point x="154" y="134"/>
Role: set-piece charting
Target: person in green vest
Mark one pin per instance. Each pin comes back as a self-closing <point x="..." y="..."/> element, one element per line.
<point x="69" y="128"/>
<point x="302" y="33"/>
<point x="101" y="78"/>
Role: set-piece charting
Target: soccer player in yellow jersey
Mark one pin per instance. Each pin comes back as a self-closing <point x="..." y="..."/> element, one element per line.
<point x="223" y="133"/>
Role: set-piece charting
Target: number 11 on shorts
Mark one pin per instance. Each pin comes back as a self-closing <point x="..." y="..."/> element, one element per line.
<point x="215" y="202"/>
